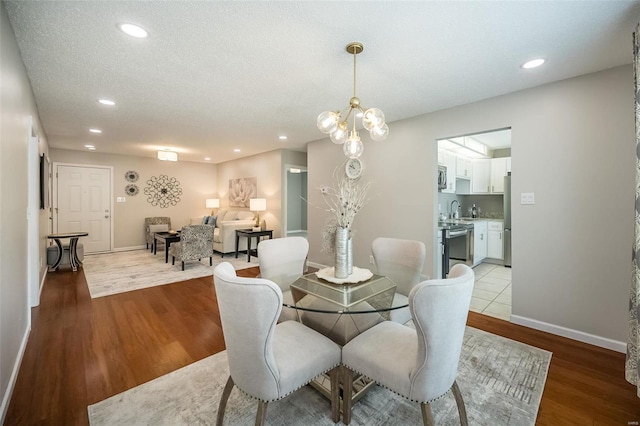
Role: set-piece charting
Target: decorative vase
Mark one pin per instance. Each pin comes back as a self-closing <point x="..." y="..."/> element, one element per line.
<point x="342" y="242"/>
<point x="349" y="255"/>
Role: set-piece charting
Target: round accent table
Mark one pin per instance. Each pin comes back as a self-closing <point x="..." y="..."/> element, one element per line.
<point x="73" y="248"/>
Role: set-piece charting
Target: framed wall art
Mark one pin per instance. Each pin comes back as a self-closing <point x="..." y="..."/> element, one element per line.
<point x="242" y="190"/>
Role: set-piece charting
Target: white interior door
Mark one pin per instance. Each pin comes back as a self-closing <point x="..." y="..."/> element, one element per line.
<point x="83" y="204"/>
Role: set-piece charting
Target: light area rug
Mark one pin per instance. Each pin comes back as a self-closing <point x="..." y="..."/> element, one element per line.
<point x="501" y="381"/>
<point x="112" y="273"/>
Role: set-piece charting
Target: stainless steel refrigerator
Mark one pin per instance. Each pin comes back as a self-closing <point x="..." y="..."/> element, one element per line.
<point x="507" y="220"/>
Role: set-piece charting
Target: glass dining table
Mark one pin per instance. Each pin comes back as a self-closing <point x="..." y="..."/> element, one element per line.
<point x="343" y="311"/>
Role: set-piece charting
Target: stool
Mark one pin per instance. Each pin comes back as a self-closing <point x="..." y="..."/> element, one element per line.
<point x="52" y="254"/>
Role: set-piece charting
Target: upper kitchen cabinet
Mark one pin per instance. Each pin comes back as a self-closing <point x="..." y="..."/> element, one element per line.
<point x="463" y="168"/>
<point x="488" y="175"/>
<point x="498" y="172"/>
<point x="481" y="179"/>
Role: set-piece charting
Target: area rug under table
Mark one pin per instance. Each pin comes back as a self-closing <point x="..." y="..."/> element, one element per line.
<point x="501" y="381"/>
<point x="112" y="273"/>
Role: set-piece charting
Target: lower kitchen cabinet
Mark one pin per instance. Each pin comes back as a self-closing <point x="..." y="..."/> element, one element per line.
<point x="495" y="247"/>
<point x="479" y="242"/>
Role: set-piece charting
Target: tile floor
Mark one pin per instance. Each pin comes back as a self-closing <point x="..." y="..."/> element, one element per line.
<point x="492" y="291"/>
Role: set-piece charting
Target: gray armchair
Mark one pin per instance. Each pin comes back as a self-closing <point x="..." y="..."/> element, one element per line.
<point x="153" y="225"/>
<point x="268" y="361"/>
<point x="402" y="262"/>
<point x="421" y="364"/>
<point x="283" y="260"/>
<point x="196" y="242"/>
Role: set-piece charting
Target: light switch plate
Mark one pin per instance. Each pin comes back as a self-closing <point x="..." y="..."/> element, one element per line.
<point x="121" y="199"/>
<point x="527" y="198"/>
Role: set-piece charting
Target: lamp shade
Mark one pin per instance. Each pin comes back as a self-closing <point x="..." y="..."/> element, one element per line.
<point x="258" y="204"/>
<point x="212" y="203"/>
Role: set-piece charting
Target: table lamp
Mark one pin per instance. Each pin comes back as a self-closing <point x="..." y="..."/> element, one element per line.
<point x="257" y="205"/>
<point x="212" y="203"/>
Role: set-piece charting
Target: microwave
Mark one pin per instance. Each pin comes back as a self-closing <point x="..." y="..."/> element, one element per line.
<point x="442" y="177"/>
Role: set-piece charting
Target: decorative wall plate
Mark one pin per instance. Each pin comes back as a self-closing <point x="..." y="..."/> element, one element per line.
<point x="131" y="189"/>
<point x="131" y="176"/>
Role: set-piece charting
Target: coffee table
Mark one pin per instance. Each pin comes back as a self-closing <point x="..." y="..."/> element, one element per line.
<point x="168" y="238"/>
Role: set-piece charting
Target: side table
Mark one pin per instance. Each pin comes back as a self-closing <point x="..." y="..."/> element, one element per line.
<point x="73" y="244"/>
<point x="249" y="234"/>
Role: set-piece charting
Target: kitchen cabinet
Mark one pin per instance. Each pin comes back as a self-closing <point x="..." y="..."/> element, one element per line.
<point x="488" y="175"/>
<point x="463" y="168"/>
<point x="449" y="160"/>
<point x="495" y="235"/>
<point x="498" y="172"/>
<point x="480" y="182"/>
<point x="479" y="241"/>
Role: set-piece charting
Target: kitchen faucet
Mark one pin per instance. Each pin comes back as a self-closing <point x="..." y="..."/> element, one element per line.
<point x="453" y="213"/>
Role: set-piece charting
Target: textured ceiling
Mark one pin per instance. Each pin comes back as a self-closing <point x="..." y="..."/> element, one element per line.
<point x="214" y="76"/>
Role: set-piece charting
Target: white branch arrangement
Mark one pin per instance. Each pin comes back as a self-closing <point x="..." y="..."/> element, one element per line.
<point x="345" y="200"/>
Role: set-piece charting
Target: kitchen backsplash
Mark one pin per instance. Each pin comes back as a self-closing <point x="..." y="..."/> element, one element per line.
<point x="489" y="206"/>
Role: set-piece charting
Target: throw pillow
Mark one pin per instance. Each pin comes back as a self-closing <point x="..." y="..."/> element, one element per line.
<point x="204" y="220"/>
<point x="212" y="220"/>
<point x="159" y="228"/>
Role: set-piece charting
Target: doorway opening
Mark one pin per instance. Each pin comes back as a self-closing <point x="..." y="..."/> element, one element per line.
<point x="476" y="194"/>
<point x="295" y="201"/>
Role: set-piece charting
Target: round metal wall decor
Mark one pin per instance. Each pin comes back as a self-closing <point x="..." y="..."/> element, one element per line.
<point x="131" y="176"/>
<point x="163" y="191"/>
<point x="131" y="189"/>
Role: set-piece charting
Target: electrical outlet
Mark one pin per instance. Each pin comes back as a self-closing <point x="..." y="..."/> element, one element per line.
<point x="120" y="199"/>
<point x="527" y="198"/>
<point x="371" y="261"/>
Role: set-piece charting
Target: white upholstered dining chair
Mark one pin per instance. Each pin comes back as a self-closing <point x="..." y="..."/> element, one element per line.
<point x="283" y="260"/>
<point x="268" y="361"/>
<point x="402" y="262"/>
<point x="421" y="364"/>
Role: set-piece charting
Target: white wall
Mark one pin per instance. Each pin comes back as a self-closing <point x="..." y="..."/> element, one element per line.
<point x="573" y="146"/>
<point x="17" y="109"/>
<point x="197" y="180"/>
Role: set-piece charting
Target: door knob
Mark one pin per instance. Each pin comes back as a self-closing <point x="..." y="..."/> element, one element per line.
<point x="106" y="216"/>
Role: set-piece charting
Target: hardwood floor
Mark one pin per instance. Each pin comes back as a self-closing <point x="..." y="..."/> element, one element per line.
<point x="83" y="350"/>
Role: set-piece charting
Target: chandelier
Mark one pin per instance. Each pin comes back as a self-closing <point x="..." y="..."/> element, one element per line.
<point x="335" y="123"/>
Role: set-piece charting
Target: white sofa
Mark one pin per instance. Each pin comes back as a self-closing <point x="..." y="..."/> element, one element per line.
<point x="224" y="235"/>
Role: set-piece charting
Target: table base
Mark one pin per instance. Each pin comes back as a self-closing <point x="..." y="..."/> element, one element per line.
<point x="361" y="386"/>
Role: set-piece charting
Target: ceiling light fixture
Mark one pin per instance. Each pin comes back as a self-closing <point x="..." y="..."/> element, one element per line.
<point x="282" y="138"/>
<point x="91" y="147"/>
<point x="236" y="150"/>
<point x="167" y="156"/>
<point x="533" y="63"/>
<point x="133" y="30"/>
<point x="207" y="158"/>
<point x="331" y="122"/>
<point x="95" y="130"/>
<point x="106" y="102"/>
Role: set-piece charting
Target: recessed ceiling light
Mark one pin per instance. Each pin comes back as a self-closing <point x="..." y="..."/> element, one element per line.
<point x="95" y="130"/>
<point x="282" y="138"/>
<point x="91" y="147"/>
<point x="106" y="102"/>
<point x="207" y="158"/>
<point x="133" y="30"/>
<point x="533" y="63"/>
<point x="236" y="150"/>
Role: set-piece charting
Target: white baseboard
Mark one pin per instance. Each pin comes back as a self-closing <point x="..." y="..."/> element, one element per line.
<point x="14" y="375"/>
<point x="316" y="265"/>
<point x="44" y="276"/>
<point x="580" y="336"/>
